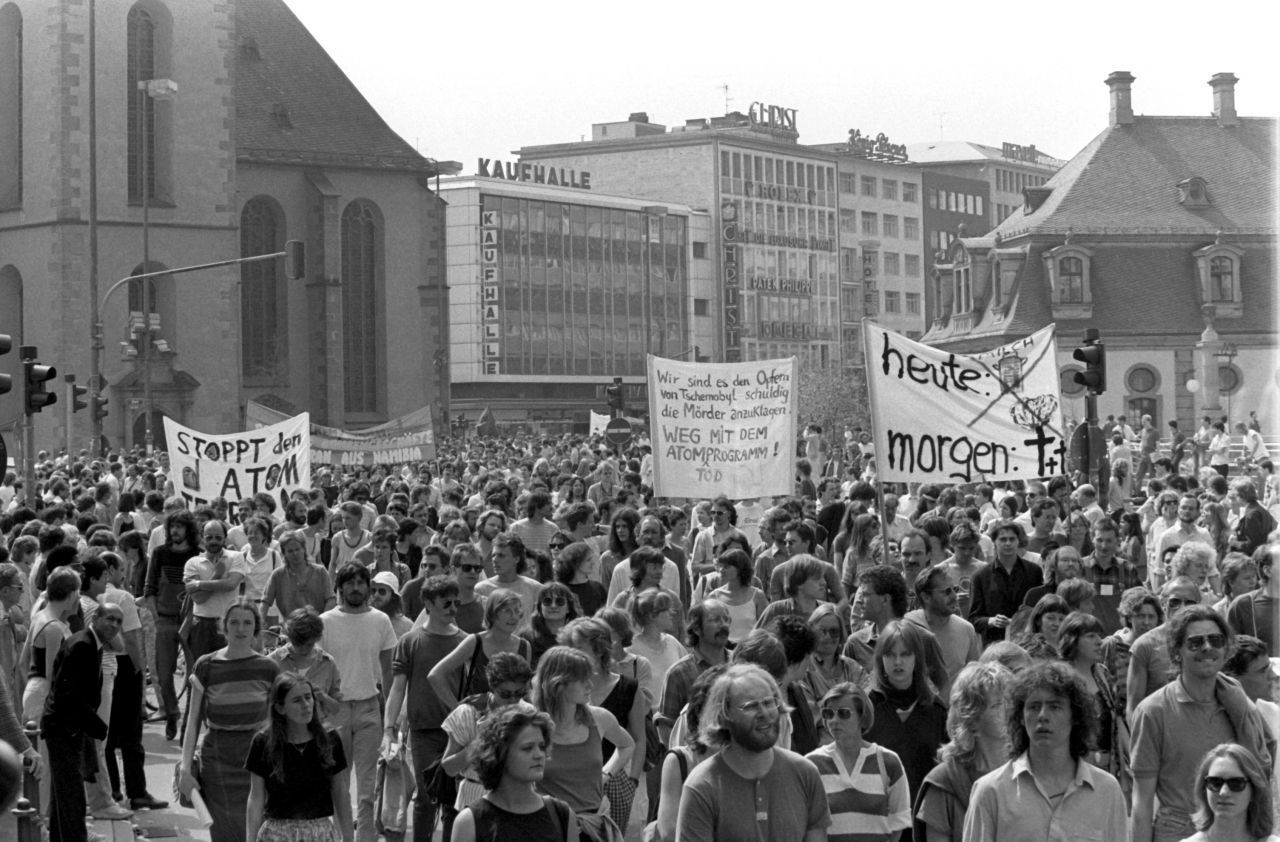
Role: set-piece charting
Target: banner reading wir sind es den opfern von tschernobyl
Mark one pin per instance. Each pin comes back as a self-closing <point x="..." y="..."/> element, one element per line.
<point x="275" y="459"/>
<point x="722" y="428"/>
<point x="950" y="418"/>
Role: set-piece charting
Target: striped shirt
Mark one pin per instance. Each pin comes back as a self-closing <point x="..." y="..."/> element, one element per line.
<point x="236" y="692"/>
<point x="868" y="802"/>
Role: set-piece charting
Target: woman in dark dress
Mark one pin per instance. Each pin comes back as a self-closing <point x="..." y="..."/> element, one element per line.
<point x="510" y="758"/>
<point x="909" y="719"/>
<point x="298" y="781"/>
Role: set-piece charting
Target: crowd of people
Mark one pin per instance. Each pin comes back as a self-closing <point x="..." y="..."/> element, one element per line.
<point x="517" y="640"/>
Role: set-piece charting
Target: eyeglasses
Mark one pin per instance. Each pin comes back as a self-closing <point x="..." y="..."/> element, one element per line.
<point x="1233" y="784"/>
<point x="554" y="601"/>
<point x="843" y="713"/>
<point x="557" y="546"/>
<point x="834" y="634"/>
<point x="471" y="568"/>
<point x="447" y="603"/>
<point x="754" y="708"/>
<point x="950" y="589"/>
<point x="510" y="695"/>
<point x="1196" y="642"/>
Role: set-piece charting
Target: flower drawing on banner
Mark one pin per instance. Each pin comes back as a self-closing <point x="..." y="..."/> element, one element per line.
<point x="1034" y="412"/>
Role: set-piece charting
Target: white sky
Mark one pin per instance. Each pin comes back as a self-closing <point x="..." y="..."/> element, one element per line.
<point x="467" y="80"/>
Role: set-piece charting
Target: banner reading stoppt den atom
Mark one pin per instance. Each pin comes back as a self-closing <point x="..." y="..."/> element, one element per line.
<point x="951" y="418"/>
<point x="722" y="428"/>
<point x="275" y="459"/>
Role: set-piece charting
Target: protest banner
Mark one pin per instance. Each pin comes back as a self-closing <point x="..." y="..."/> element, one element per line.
<point x="596" y="423"/>
<point x="409" y="438"/>
<point x="951" y="418"/>
<point x="275" y="459"/>
<point x="723" y="428"/>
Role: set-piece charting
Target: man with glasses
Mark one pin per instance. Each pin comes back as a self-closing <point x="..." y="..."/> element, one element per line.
<point x="723" y="523"/>
<point x="415" y="655"/>
<point x="1176" y="726"/>
<point x="1150" y="664"/>
<point x="750" y="788"/>
<point x="1049" y="790"/>
<point x="938" y="598"/>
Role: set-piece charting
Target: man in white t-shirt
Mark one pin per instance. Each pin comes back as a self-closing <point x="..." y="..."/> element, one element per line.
<point x="508" y="556"/>
<point x="361" y="641"/>
<point x="212" y="581"/>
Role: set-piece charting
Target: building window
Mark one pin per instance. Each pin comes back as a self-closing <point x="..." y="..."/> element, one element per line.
<point x="699" y="250"/>
<point x="933" y="199"/>
<point x="1071" y="280"/>
<point x="1221" y="280"/>
<point x="909" y="191"/>
<point x="890" y="225"/>
<point x="913" y="303"/>
<point x="701" y="307"/>
<point x="362" y="267"/>
<point x="891" y="264"/>
<point x="149" y="124"/>
<point x="848" y="183"/>
<point x="910" y="228"/>
<point x="869" y="224"/>
<point x="848" y="222"/>
<point x="10" y="106"/>
<point x="912" y="265"/>
<point x="889" y="190"/>
<point x="892" y="302"/>
<point x="264" y="328"/>
<point x="978" y="206"/>
<point x="1142" y="379"/>
<point x="868" y="186"/>
<point x="963" y="289"/>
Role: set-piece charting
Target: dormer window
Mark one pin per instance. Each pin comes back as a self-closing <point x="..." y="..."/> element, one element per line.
<point x="1067" y="268"/>
<point x="1219" y="268"/>
<point x="1193" y="193"/>
<point x="963" y="280"/>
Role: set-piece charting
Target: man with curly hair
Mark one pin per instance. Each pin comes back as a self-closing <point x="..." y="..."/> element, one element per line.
<point x="1048" y="790"/>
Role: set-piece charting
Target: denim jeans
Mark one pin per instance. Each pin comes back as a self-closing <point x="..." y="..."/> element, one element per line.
<point x="167" y="649"/>
<point x="427" y="745"/>
<point x="359" y="725"/>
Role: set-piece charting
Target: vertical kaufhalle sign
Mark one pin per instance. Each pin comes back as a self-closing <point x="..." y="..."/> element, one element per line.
<point x="275" y="459"/>
<point x="958" y="418"/>
<point x="722" y="428"/>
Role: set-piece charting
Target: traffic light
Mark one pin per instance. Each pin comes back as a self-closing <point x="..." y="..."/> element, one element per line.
<point x="78" y="395"/>
<point x="6" y="380"/>
<point x="99" y="406"/>
<point x="1094" y="356"/>
<point x="295" y="259"/>
<point x="35" y="376"/>
<point x="613" y="394"/>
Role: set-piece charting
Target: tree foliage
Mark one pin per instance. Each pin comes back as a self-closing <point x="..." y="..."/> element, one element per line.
<point x="833" y="398"/>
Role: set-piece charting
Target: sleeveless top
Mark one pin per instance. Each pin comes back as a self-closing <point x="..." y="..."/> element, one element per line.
<point x="572" y="773"/>
<point x="478" y="682"/>
<point x="494" y="824"/>
<point x="38" y="653"/>
<point x="618" y="703"/>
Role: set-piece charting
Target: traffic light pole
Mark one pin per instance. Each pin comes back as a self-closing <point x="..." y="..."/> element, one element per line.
<point x="28" y="353"/>
<point x="70" y="380"/>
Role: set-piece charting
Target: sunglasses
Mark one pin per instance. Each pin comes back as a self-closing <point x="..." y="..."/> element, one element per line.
<point x="471" y="568"/>
<point x="554" y="601"/>
<point x="447" y="603"/>
<point x="1196" y="642"/>
<point x="842" y="713"/>
<point x="1233" y="784"/>
<point x="557" y="546"/>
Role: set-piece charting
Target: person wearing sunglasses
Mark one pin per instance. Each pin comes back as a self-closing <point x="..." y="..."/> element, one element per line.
<point x="556" y="606"/>
<point x="1149" y="658"/>
<point x="1232" y="798"/>
<point x="866" y="784"/>
<point x="1177" y="725"/>
<point x="1049" y="789"/>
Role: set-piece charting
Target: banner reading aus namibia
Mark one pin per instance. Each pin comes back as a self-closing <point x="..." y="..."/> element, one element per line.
<point x="958" y="418"/>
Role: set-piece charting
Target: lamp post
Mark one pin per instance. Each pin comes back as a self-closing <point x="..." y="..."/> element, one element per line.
<point x="1226" y="354"/>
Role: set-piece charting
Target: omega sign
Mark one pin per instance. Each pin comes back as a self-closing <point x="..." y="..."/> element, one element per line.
<point x="772" y="116"/>
<point x="535" y="173"/>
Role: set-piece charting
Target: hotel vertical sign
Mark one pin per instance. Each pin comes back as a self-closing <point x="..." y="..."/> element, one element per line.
<point x="491" y="321"/>
<point x="732" y="282"/>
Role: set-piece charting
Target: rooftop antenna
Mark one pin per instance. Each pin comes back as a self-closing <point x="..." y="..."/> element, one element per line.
<point x="727" y="100"/>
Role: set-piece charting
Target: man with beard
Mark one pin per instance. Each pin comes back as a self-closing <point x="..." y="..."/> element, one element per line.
<point x="1186" y="530"/>
<point x="1049" y="790"/>
<point x="750" y="789"/>
<point x="491" y="524"/>
<point x="384" y="595"/>
<point x="361" y="641"/>
<point x="212" y="581"/>
<point x="162" y="596"/>
<point x="707" y="636"/>
<point x="1177" y="725"/>
<point x="939" y="602"/>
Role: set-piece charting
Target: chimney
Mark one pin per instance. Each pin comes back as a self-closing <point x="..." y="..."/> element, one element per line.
<point x="1121" y="103"/>
<point x="1224" y="98"/>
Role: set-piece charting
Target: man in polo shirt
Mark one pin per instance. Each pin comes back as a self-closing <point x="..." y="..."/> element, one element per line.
<point x="998" y="588"/>
<point x="1049" y="790"/>
<point x="1109" y="575"/>
<point x="707" y="635"/>
<point x="1149" y="662"/>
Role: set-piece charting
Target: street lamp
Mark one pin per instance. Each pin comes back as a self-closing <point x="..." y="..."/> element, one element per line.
<point x="1227" y="353"/>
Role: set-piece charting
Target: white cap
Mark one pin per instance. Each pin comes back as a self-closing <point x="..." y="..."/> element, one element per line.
<point x="388" y="580"/>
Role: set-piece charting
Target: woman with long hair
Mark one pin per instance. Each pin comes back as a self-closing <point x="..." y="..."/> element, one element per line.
<point x="623" y="540"/>
<point x="1140" y="612"/>
<point x="827" y="667"/>
<point x="653" y="616"/>
<point x="865" y="783"/>
<point x="299" y="787"/>
<point x="510" y="759"/>
<point x="745" y="601"/>
<point x="577" y="567"/>
<point x="503" y="614"/>
<point x="620" y="695"/>
<point x="1080" y="532"/>
<point x="576" y="771"/>
<point x="230" y="693"/>
<point x="125" y="519"/>
<point x="1133" y="547"/>
<point x="1080" y="645"/>
<point x="858" y="552"/>
<point x="909" y="719"/>
<point x="978" y="744"/>
<point x="555" y="607"/>
<point x="1233" y="799"/>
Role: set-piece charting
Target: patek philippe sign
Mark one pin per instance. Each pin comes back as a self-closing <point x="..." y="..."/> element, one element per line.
<point x="772" y="116"/>
<point x="532" y="173"/>
<point x="1015" y="152"/>
<point x="879" y="148"/>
